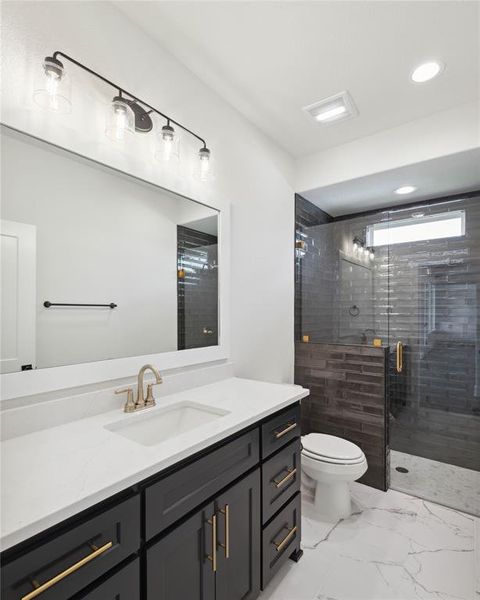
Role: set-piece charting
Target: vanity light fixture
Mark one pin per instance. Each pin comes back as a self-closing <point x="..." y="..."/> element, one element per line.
<point x="405" y="189"/>
<point x="55" y="95"/>
<point x="167" y="144"/>
<point x="126" y="113"/>
<point x="426" y="71"/>
<point x="120" y="120"/>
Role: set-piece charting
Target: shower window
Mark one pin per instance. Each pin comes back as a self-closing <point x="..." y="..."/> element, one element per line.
<point x="417" y="229"/>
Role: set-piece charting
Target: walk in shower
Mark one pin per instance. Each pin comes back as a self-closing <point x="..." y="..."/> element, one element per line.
<point x="405" y="281"/>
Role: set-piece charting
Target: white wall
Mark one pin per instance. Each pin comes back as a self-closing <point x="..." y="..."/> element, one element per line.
<point x="442" y="134"/>
<point x="252" y="174"/>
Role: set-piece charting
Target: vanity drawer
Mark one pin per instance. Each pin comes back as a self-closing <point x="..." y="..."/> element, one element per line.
<point x="72" y="560"/>
<point x="280" y="430"/>
<point x="281" y="475"/>
<point x="280" y="539"/>
<point x="177" y="494"/>
<point x="123" y="585"/>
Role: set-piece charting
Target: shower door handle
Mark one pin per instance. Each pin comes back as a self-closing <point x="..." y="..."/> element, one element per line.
<point x="399" y="357"/>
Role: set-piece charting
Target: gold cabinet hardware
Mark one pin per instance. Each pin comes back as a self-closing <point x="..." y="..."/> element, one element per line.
<point x="291" y="473"/>
<point x="213" y="556"/>
<point x="290" y="427"/>
<point x="226" y="546"/>
<point x="48" y="584"/>
<point x="129" y="404"/>
<point x="281" y="545"/>
<point x="399" y="357"/>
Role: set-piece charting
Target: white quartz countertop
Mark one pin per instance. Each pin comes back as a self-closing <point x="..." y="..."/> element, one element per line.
<point x="52" y="474"/>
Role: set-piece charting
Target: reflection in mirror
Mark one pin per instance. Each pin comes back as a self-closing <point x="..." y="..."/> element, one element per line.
<point x="97" y="264"/>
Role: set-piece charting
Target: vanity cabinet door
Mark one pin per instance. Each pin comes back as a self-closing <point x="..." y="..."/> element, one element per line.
<point x="180" y="566"/>
<point x="238" y="540"/>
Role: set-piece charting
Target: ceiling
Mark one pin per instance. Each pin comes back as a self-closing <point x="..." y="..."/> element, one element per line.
<point x="270" y="59"/>
<point x="440" y="177"/>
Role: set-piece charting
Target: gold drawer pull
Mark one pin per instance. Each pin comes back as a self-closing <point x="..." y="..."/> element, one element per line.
<point x="226" y="546"/>
<point x="281" y="545"/>
<point x="48" y="584"/>
<point x="291" y="473"/>
<point x="213" y="556"/>
<point x="279" y="434"/>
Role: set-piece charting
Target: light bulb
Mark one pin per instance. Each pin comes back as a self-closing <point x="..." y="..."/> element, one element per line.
<point x="55" y="93"/>
<point x="119" y="119"/>
<point x="204" y="158"/>
<point x="372" y="253"/>
<point x="167" y="148"/>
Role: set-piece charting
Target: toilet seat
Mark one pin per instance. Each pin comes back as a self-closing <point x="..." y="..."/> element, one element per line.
<point x="331" y="449"/>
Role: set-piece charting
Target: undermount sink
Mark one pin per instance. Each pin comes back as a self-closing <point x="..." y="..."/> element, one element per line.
<point x="154" y="426"/>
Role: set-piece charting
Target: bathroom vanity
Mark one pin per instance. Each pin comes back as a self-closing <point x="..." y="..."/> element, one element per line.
<point x="210" y="513"/>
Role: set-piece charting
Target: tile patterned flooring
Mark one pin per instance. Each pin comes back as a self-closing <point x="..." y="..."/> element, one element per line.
<point x="438" y="482"/>
<point x="393" y="547"/>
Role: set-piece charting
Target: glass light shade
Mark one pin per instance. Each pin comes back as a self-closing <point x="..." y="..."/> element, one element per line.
<point x="54" y="94"/>
<point x="167" y="149"/>
<point x="204" y="164"/>
<point x="120" y="120"/>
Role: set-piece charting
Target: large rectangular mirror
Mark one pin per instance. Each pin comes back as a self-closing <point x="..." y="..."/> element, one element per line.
<point x="98" y="265"/>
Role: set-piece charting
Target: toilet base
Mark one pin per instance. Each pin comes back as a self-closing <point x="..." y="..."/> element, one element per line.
<point x="333" y="499"/>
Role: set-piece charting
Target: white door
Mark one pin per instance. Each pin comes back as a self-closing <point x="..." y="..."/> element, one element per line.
<point x="18" y="284"/>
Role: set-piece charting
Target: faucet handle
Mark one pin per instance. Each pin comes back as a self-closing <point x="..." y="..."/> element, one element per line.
<point x="150" y="400"/>
<point x="129" y="404"/>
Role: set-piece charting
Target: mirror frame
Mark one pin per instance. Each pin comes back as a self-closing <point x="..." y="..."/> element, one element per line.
<point x="39" y="381"/>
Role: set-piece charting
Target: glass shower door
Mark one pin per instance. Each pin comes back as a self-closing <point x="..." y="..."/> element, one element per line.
<point x="433" y="335"/>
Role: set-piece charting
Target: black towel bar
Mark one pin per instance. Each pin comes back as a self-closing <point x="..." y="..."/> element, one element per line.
<point x="48" y="304"/>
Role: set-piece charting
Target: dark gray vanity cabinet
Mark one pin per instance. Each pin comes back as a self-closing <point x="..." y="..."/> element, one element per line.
<point x="239" y="538"/>
<point x="61" y="565"/>
<point x="213" y="555"/>
<point x="215" y="526"/>
<point x="178" y="566"/>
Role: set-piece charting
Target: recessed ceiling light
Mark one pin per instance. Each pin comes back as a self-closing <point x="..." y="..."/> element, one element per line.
<point x="405" y="189"/>
<point x="334" y="108"/>
<point x="426" y="71"/>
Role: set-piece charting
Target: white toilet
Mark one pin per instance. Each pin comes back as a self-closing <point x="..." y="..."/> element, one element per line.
<point x="330" y="464"/>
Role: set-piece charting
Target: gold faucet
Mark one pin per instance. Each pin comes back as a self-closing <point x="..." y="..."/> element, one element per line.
<point x="142" y="402"/>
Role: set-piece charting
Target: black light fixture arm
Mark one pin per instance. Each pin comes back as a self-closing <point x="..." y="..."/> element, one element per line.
<point x="121" y="91"/>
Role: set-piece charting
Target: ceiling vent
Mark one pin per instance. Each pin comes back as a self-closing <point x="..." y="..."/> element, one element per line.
<point x="336" y="108"/>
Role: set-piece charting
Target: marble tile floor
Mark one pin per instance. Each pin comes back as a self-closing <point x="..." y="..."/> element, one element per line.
<point x="438" y="482"/>
<point x="393" y="547"/>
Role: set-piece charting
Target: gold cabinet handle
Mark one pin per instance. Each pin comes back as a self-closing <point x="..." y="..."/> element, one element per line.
<point x="226" y="546"/>
<point x="48" y="584"/>
<point x="399" y="357"/>
<point x="290" y="427"/>
<point x="281" y="545"/>
<point x="213" y="556"/>
<point x="291" y="473"/>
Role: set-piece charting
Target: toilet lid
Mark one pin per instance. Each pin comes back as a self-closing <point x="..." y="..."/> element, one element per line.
<point x="331" y="447"/>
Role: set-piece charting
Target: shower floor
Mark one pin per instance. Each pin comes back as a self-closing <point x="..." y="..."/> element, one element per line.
<point x="438" y="482"/>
